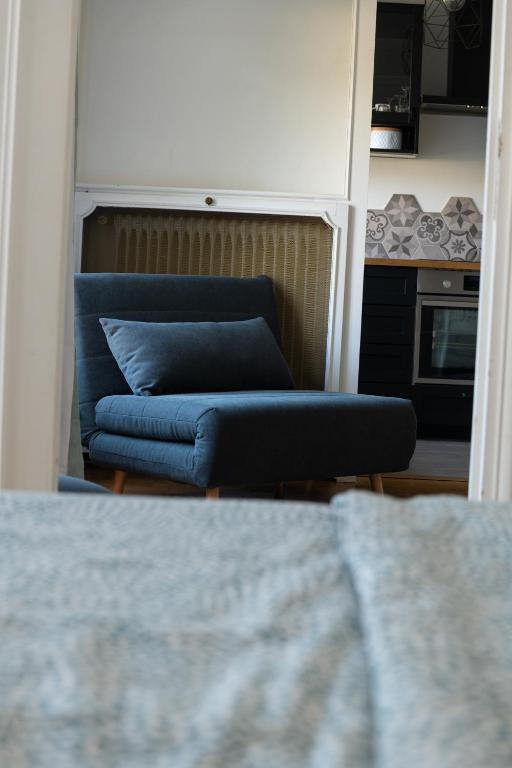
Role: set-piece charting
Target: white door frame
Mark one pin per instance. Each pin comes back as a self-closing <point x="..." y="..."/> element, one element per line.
<point x="357" y="188"/>
<point x="37" y="97"/>
<point x="491" y="449"/>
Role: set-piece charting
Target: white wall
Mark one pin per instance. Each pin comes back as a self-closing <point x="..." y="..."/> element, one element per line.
<point x="451" y="161"/>
<point x="236" y="94"/>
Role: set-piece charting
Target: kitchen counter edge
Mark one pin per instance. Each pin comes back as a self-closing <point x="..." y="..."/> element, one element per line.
<point x="425" y="264"/>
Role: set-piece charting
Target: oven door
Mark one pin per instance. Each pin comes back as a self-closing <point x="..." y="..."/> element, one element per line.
<point x="445" y="340"/>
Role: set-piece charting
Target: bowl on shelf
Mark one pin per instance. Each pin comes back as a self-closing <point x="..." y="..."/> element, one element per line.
<point x="386" y="137"/>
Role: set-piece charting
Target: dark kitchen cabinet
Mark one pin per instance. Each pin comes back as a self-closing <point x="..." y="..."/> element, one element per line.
<point x="388" y="325"/>
<point x="397" y="71"/>
<point x="395" y="286"/>
<point x="387" y="331"/>
<point x="458" y="79"/>
<point x="386" y="362"/>
<point x="443" y="411"/>
<point x="387" y="356"/>
<point x="386" y="389"/>
<point x="469" y="66"/>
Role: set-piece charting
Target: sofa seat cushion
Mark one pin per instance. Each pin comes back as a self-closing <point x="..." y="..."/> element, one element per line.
<point x="266" y="436"/>
<point x="164" y="417"/>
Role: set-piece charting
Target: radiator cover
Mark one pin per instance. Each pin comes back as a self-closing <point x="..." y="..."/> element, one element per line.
<point x="295" y="252"/>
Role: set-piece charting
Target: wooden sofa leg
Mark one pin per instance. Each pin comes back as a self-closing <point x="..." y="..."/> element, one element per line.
<point x="309" y="487"/>
<point x="279" y="491"/>
<point x="119" y="480"/>
<point x="376" y="484"/>
<point x="213" y="493"/>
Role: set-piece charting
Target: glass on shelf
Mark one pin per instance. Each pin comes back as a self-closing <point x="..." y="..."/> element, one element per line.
<point x="400" y="102"/>
<point x="403" y="99"/>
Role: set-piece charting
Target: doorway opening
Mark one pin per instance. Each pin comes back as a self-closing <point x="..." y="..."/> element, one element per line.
<point x="424" y="230"/>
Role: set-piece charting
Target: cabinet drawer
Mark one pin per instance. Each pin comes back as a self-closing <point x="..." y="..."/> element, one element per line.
<point x="386" y="389"/>
<point x="386" y="324"/>
<point x="386" y="362"/>
<point x="390" y="285"/>
<point x="445" y="405"/>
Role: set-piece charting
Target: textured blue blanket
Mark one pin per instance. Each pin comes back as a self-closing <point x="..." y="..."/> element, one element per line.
<point x="143" y="633"/>
<point x="433" y="579"/>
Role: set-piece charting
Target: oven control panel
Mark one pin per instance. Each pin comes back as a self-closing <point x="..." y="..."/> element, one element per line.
<point x="454" y="284"/>
<point x="471" y="283"/>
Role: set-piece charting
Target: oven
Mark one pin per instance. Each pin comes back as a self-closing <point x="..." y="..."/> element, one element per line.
<point x="446" y="327"/>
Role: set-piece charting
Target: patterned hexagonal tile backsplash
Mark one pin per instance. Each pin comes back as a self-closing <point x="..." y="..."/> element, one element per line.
<point x="403" y="231"/>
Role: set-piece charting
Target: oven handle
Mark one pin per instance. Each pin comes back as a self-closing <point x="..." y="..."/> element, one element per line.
<point x="452" y="304"/>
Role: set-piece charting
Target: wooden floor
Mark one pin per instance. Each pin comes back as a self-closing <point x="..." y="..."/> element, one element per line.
<point x="322" y="491"/>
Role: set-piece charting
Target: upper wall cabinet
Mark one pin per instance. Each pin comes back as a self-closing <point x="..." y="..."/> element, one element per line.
<point x="456" y="57"/>
<point x="397" y="79"/>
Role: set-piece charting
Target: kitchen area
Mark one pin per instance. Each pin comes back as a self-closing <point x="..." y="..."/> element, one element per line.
<point x="424" y="226"/>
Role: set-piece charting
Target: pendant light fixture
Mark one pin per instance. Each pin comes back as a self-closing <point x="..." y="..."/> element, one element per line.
<point x="436" y="24"/>
<point x="442" y="18"/>
<point x="452" y="6"/>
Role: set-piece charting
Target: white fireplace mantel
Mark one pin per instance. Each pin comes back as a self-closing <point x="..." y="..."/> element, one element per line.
<point x="333" y="210"/>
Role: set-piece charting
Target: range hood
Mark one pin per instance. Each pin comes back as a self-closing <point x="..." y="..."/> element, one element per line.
<point x="456" y="80"/>
<point x="448" y="105"/>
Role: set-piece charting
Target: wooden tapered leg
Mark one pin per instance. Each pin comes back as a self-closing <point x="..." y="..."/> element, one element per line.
<point x="309" y="486"/>
<point x="279" y="491"/>
<point x="213" y="493"/>
<point x="119" y="480"/>
<point x="376" y="484"/>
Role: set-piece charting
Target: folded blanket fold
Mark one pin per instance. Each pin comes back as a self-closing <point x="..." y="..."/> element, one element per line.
<point x="433" y="579"/>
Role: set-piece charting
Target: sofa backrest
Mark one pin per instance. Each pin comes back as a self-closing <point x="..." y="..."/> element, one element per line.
<point x="152" y="298"/>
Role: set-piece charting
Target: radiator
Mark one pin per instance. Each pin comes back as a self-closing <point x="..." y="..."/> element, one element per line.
<point x="294" y="252"/>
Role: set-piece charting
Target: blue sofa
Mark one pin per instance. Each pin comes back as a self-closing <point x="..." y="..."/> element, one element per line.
<point x="214" y="439"/>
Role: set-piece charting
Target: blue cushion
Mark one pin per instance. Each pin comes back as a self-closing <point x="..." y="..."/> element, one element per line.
<point x="235" y="437"/>
<point x="68" y="484"/>
<point x="152" y="298"/>
<point x="166" y="358"/>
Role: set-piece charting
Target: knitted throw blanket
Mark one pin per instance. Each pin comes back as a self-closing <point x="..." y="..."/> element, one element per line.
<point x="155" y="633"/>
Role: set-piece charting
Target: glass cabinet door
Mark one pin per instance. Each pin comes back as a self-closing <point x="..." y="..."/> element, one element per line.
<point x="396" y="69"/>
